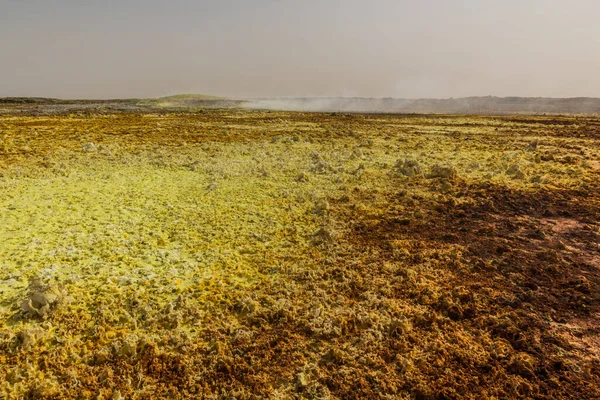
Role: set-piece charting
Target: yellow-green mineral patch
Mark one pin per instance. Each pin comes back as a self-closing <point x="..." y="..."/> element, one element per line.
<point x="242" y="254"/>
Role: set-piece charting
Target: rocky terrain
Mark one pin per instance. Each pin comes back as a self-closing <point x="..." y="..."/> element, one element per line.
<point x="166" y="252"/>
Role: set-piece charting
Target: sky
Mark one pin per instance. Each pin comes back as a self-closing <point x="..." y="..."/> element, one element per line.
<point x="299" y="48"/>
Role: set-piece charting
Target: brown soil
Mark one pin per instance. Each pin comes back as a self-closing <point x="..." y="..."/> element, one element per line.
<point x="530" y="277"/>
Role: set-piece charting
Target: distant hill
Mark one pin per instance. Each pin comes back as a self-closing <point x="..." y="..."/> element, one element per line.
<point x="466" y="105"/>
<point x="167" y="101"/>
<point x="28" y="100"/>
<point x="176" y="102"/>
<point x="50" y="101"/>
<point x="181" y="100"/>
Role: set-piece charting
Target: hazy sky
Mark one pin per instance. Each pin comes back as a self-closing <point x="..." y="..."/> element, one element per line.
<point x="255" y="48"/>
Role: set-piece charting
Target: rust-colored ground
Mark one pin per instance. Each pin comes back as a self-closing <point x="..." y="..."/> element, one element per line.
<point x="390" y="281"/>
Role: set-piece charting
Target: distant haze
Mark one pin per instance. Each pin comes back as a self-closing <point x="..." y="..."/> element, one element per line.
<point x="289" y="48"/>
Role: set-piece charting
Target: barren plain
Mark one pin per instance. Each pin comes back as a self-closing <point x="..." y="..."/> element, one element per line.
<point x="251" y="254"/>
